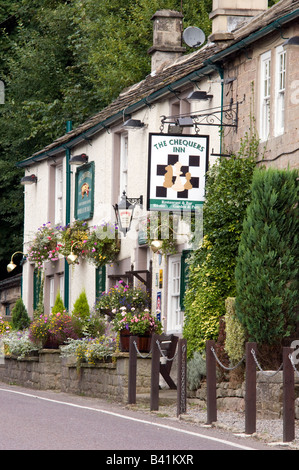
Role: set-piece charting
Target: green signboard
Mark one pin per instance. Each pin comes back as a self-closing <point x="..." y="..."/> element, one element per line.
<point x="84" y="192"/>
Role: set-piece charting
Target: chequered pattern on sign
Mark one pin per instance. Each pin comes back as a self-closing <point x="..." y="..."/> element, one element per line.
<point x="189" y="162"/>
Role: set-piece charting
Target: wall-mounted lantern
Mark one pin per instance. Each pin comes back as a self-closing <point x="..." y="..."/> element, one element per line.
<point x="124" y="211"/>
<point x="26" y="180"/>
<point x="11" y="266"/>
<point x="79" y="159"/>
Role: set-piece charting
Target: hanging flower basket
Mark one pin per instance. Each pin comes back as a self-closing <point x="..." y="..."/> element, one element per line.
<point x="45" y="245"/>
<point x="103" y="244"/>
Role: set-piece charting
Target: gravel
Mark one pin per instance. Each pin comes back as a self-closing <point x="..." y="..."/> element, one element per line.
<point x="267" y="430"/>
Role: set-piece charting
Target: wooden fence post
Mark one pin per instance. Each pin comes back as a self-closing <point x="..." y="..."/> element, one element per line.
<point x="250" y="390"/>
<point x="155" y="372"/>
<point x="132" y="371"/>
<point x="211" y="383"/>
<point x="288" y="397"/>
<point x="182" y="377"/>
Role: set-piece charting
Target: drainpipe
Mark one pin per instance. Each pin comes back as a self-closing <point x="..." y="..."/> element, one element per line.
<point x="67" y="216"/>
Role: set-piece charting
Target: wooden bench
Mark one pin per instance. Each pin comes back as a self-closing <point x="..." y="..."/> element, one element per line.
<point x="168" y="344"/>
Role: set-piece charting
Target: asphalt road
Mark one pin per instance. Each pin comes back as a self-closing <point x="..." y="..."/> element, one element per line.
<point x="45" y="420"/>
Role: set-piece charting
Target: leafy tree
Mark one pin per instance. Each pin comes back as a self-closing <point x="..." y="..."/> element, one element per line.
<point x="267" y="265"/>
<point x="64" y="60"/>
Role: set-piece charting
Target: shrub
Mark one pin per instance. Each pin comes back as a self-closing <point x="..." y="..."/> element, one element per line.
<point x="235" y="333"/>
<point x="51" y="331"/>
<point x="196" y="370"/>
<point x="18" y="343"/>
<point x="58" y="305"/>
<point x="81" y="307"/>
<point x="20" y="319"/>
<point x="89" y="350"/>
<point x="267" y="265"/>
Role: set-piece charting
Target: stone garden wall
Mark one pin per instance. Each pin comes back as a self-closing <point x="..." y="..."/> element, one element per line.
<point x="49" y="371"/>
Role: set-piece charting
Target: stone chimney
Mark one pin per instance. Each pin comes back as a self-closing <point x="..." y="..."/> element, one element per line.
<point x="228" y="14"/>
<point x="167" y="38"/>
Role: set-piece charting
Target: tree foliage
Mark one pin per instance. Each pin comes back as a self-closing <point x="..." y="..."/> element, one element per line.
<point x="212" y="266"/>
<point x="65" y="60"/>
<point x="267" y="265"/>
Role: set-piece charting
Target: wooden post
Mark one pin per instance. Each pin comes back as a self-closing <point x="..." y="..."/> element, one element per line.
<point x="288" y="397"/>
<point x="132" y="371"/>
<point x="211" y="383"/>
<point x="250" y="390"/>
<point x="182" y="377"/>
<point x="155" y="372"/>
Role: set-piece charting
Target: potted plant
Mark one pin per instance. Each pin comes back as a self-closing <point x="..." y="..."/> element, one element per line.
<point x="122" y="295"/>
<point x="140" y="323"/>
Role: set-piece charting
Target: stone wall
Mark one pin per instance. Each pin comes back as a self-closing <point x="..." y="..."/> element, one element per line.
<point x="49" y="371"/>
<point x="269" y="395"/>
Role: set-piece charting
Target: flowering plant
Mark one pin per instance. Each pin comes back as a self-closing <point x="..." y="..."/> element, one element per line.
<point x="137" y="322"/>
<point x="161" y="228"/>
<point x="90" y="349"/>
<point x="5" y="326"/>
<point x="18" y="343"/>
<point x="45" y="245"/>
<point x="103" y="244"/>
<point x="74" y="238"/>
<point x="121" y="295"/>
<point x="51" y="331"/>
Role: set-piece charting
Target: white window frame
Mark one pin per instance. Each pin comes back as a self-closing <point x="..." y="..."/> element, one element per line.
<point x="280" y="82"/>
<point x="61" y="286"/>
<point x="51" y="292"/>
<point x="174" y="314"/>
<point x="265" y="95"/>
<point x="123" y="176"/>
<point x="58" y="194"/>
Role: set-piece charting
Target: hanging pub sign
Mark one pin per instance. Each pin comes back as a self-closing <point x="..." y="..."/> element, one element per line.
<point x="177" y="165"/>
<point x="84" y="192"/>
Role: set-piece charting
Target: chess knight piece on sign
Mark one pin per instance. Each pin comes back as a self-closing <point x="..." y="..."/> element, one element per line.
<point x="178" y="184"/>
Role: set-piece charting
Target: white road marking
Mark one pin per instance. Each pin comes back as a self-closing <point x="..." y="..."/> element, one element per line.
<point x="130" y="418"/>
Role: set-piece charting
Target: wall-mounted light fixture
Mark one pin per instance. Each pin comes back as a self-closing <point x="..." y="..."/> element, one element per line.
<point x="199" y="96"/>
<point x="133" y="124"/>
<point x="11" y="266"/>
<point x="79" y="159"/>
<point x="124" y="211"/>
<point x="29" y="180"/>
<point x="294" y="41"/>
<point x="71" y="258"/>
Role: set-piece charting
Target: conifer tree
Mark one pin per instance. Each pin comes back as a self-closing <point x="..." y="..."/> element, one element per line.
<point x="267" y="265"/>
<point x="58" y="305"/>
<point x="20" y="318"/>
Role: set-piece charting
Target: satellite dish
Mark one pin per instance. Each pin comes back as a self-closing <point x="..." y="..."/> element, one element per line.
<point x="193" y="36"/>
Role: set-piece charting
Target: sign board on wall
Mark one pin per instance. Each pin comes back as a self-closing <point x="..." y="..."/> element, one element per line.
<point x="84" y="192"/>
<point x="177" y="165"/>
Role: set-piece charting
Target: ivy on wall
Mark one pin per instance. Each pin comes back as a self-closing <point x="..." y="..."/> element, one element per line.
<point x="212" y="266"/>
